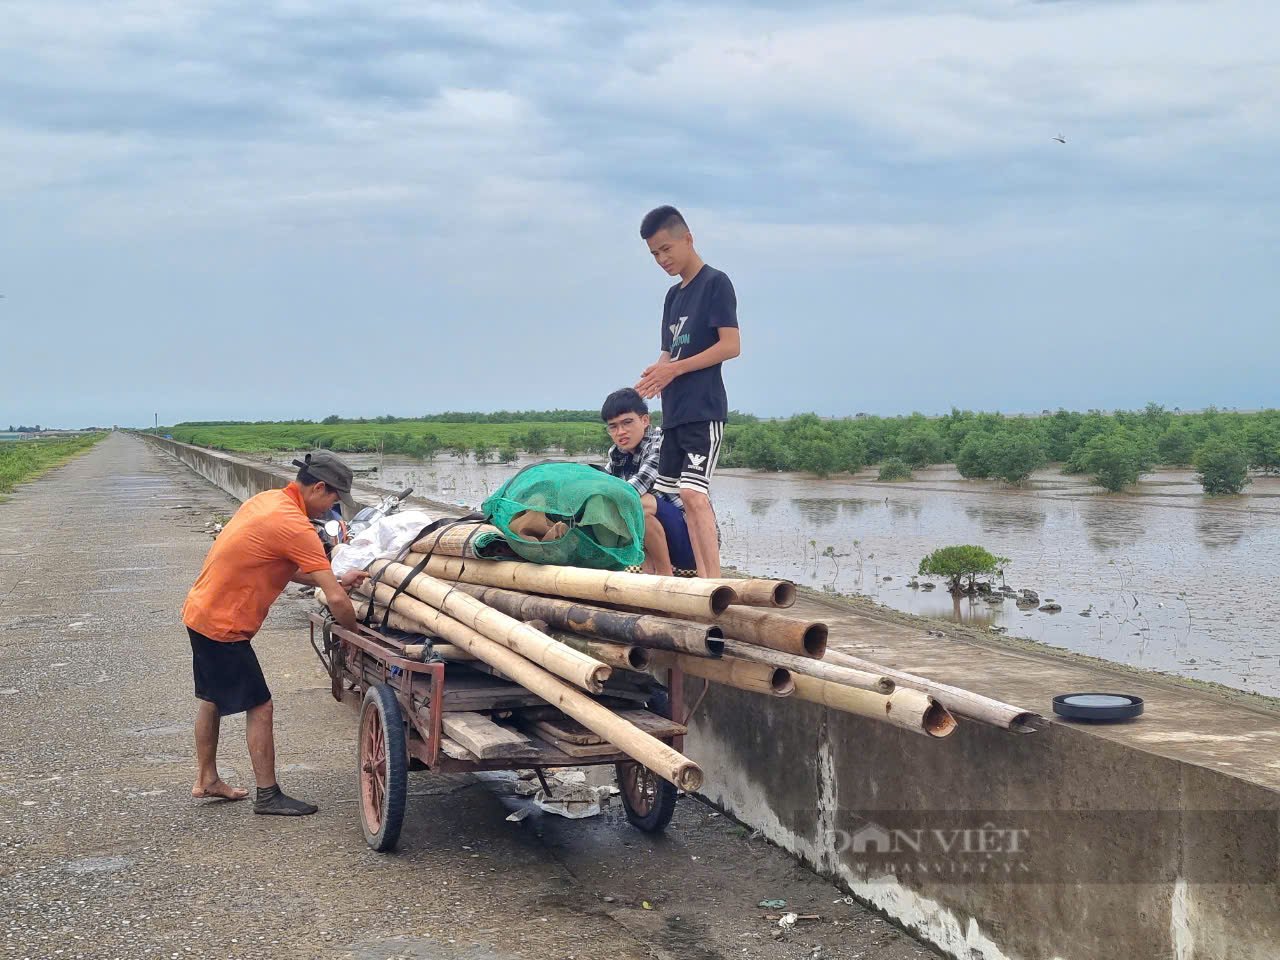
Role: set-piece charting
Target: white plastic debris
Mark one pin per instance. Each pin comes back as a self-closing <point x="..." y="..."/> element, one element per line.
<point x="382" y="538"/>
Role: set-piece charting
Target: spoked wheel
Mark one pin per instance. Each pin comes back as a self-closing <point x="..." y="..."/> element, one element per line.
<point x="649" y="801"/>
<point x="383" y="758"/>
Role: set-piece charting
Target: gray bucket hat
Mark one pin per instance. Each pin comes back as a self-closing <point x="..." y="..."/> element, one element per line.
<point x="326" y="466"/>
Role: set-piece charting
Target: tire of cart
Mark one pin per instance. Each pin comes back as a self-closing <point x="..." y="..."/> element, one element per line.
<point x="383" y="759"/>
<point x="648" y="800"/>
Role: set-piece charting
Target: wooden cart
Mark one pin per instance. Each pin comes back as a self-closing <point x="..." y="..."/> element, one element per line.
<point x="440" y="717"/>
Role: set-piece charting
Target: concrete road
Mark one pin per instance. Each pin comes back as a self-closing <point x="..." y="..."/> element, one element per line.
<point x="104" y="854"/>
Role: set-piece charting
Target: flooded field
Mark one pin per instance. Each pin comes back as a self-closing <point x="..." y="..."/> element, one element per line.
<point x="1161" y="578"/>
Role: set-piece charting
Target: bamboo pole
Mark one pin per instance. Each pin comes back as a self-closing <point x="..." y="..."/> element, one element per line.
<point x="964" y="703"/>
<point x="461" y="541"/>
<point x="753" y="592"/>
<point x="563" y="661"/>
<point x="777" y="631"/>
<point x="861" y="679"/>
<point x="676" y="596"/>
<point x="440" y="651"/>
<point x="398" y="621"/>
<point x="646" y="630"/>
<point x="907" y="709"/>
<point x="742" y="674"/>
<point x="620" y="655"/>
<point x="635" y="743"/>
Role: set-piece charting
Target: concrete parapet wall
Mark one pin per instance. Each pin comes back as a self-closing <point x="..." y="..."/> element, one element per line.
<point x="1125" y="855"/>
<point x="240" y="478"/>
<point x="243" y="478"/>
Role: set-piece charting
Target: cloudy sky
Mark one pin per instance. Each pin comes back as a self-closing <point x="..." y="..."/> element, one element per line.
<point x="222" y="210"/>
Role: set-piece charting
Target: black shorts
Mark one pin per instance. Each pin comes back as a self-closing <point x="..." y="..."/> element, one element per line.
<point x="688" y="456"/>
<point x="227" y="674"/>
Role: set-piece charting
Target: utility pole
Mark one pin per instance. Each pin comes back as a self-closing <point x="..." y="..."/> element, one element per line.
<point x="157" y="420"/>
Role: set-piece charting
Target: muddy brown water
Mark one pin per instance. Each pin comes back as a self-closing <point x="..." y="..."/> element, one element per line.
<point x="1162" y="578"/>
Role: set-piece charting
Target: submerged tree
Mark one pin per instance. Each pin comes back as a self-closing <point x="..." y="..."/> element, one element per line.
<point x="1116" y="460"/>
<point x="961" y="563"/>
<point x="894" y="468"/>
<point x="1221" y="467"/>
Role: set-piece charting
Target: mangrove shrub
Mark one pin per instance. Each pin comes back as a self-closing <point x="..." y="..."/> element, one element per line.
<point x="1222" y="467"/>
<point x="894" y="468"/>
<point x="1116" y="460"/>
<point x="922" y="446"/>
<point x="959" y="564"/>
<point x="1015" y="456"/>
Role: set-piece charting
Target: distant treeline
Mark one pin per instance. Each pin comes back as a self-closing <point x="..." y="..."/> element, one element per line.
<point x="501" y="416"/>
<point x="1114" y="447"/>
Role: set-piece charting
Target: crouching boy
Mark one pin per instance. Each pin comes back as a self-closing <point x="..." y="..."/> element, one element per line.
<point x="634" y="458"/>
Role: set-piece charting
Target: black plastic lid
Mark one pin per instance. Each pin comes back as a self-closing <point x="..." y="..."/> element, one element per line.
<point x="1098" y="706"/>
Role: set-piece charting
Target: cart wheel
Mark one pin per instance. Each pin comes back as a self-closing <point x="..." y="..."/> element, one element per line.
<point x="383" y="759"/>
<point x="649" y="801"/>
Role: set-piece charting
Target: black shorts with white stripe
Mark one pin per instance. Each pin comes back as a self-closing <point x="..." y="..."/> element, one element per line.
<point x="689" y="456"/>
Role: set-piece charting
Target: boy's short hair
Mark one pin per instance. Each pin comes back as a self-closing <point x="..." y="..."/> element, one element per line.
<point x="623" y="401"/>
<point x="661" y="218"/>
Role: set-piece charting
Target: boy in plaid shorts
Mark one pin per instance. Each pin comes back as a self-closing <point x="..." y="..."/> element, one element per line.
<point x="699" y="333"/>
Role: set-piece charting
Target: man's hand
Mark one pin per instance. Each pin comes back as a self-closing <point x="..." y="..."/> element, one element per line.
<point x="335" y="597"/>
<point x="656" y="377"/>
<point x="353" y="578"/>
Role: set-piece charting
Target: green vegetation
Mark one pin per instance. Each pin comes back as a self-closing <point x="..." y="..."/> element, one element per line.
<point x="961" y="563"/>
<point x="894" y="468"/>
<point x="422" y="439"/>
<point x="1222" y="467"/>
<point x="24" y="459"/>
<point x="1113" y="447"/>
<point x="1011" y="456"/>
<point x="1116" y="460"/>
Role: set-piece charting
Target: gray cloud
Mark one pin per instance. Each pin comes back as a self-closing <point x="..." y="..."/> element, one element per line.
<point x="211" y="171"/>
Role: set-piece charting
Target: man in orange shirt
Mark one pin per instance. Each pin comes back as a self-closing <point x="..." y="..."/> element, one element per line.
<point x="269" y="543"/>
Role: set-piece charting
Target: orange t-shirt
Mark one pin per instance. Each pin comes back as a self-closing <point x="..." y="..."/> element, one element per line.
<point x="251" y="562"/>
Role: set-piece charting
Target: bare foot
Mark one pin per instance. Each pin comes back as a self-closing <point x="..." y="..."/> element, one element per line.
<point x="219" y="789"/>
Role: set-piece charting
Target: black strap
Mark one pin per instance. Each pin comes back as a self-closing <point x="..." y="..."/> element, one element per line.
<point x="439" y="527"/>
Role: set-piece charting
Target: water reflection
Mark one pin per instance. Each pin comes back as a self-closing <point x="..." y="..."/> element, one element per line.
<point x="760" y="506"/>
<point x="905" y="509"/>
<point x="820" y="513"/>
<point x="1113" y="527"/>
<point x="1218" y="529"/>
<point x="823" y="511"/>
<point x="1021" y="517"/>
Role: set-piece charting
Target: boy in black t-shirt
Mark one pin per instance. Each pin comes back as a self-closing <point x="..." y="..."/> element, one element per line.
<point x="699" y="332"/>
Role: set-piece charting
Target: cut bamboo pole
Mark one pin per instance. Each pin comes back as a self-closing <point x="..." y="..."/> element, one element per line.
<point x="620" y="655"/>
<point x="440" y="651"/>
<point x="470" y="540"/>
<point x="677" y="596"/>
<point x="908" y="709"/>
<point x="861" y="679"/>
<point x="964" y="703"/>
<point x="742" y="674"/>
<point x="660" y="633"/>
<point x="777" y="631"/>
<point x="563" y="661"/>
<point x="753" y="592"/>
<point x="640" y="746"/>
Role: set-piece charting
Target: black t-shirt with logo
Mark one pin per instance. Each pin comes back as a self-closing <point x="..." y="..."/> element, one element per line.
<point x="691" y="317"/>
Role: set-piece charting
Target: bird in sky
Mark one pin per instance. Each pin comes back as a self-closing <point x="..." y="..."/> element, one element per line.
<point x="1060" y="138"/>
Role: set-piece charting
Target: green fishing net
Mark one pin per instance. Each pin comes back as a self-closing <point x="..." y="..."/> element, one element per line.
<point x="603" y="514"/>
